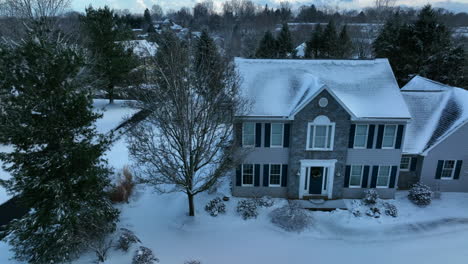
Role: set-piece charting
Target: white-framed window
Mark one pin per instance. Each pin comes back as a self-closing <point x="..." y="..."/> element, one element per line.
<point x="277" y="130"/>
<point x="383" y="176"/>
<point x="448" y="170"/>
<point x="355" y="177"/>
<point x="360" y="136"/>
<point x="389" y="136"/>
<point x="247" y="175"/>
<point x="248" y="134"/>
<point x="405" y="163"/>
<point x="275" y="175"/>
<point x="320" y="134"/>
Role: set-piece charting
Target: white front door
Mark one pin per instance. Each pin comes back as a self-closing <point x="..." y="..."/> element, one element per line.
<point x="316" y="178"/>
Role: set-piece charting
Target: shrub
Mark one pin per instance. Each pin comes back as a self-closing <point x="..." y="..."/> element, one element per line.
<point x="124" y="187"/>
<point x="356" y="208"/>
<point x="370" y="197"/>
<point x="373" y="212"/>
<point x="265" y="201"/>
<point x="290" y="217"/>
<point x="247" y="209"/>
<point x="126" y="239"/>
<point x="215" y="207"/>
<point x="144" y="255"/>
<point x="390" y="209"/>
<point x="420" y="194"/>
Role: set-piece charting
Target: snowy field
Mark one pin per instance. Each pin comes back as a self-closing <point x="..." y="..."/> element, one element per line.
<point x="436" y="234"/>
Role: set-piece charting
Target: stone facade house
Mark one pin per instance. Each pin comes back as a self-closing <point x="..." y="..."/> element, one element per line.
<point x="319" y="128"/>
<point x="436" y="147"/>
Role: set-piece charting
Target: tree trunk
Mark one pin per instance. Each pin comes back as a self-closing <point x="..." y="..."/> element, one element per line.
<point x="110" y="93"/>
<point x="191" y="205"/>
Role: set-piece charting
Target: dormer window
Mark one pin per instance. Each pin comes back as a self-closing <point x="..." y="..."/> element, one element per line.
<point x="320" y="134"/>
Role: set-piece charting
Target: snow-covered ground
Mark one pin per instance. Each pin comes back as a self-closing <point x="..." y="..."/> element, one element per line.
<point x="436" y="234"/>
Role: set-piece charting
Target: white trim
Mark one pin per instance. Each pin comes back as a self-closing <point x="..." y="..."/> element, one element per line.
<point x="312" y="126"/>
<point x="242" y="175"/>
<point x="330" y="164"/>
<point x="269" y="175"/>
<point x="324" y="87"/>
<point x="367" y="136"/>
<point x="394" y="136"/>
<point x="452" y="174"/>
<point x="254" y="134"/>
<point x="351" y="174"/>
<point x="409" y="162"/>
<point x="271" y="135"/>
<point x="389" y="176"/>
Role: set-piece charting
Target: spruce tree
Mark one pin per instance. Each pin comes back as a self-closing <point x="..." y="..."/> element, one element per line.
<point x="345" y="45"/>
<point x="329" y="41"/>
<point x="56" y="166"/>
<point x="148" y="21"/>
<point x="284" y="43"/>
<point x="314" y="46"/>
<point x="113" y="62"/>
<point x="268" y="47"/>
<point x="208" y="62"/>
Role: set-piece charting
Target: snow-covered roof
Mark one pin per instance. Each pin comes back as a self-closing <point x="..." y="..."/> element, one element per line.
<point x="141" y="48"/>
<point x="437" y="109"/>
<point x="366" y="88"/>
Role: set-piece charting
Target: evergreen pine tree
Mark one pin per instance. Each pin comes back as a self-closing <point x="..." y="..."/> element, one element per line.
<point x="56" y="164"/>
<point x="345" y="46"/>
<point x="148" y="21"/>
<point x="284" y="43"/>
<point x="329" y="41"/>
<point x="314" y="45"/>
<point x="208" y="62"/>
<point x="113" y="63"/>
<point x="268" y="47"/>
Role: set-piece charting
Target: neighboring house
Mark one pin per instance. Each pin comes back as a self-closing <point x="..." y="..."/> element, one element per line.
<point x="300" y="50"/>
<point x="319" y="128"/>
<point x="141" y="48"/>
<point x="436" y="145"/>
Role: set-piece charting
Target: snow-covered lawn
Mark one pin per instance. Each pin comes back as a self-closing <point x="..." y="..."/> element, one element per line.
<point x="435" y="234"/>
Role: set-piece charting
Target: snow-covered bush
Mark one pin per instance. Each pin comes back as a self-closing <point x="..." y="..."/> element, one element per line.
<point x="265" y="201"/>
<point x="126" y="239"/>
<point x="124" y="187"/>
<point x="215" y="207"/>
<point x="373" y="212"/>
<point x="247" y="208"/>
<point x="192" y="262"/>
<point x="370" y="197"/>
<point x="144" y="255"/>
<point x="356" y="208"/>
<point x="420" y="194"/>
<point x="390" y="209"/>
<point x="290" y="217"/>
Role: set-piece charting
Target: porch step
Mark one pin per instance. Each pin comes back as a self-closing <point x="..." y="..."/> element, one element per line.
<point x="322" y="205"/>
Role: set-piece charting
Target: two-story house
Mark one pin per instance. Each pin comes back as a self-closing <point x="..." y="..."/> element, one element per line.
<point x="436" y="146"/>
<point x="319" y="128"/>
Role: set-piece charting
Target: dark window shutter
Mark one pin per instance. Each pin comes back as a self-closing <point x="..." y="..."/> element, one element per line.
<point x="380" y="136"/>
<point x="399" y="136"/>
<point x="375" y="170"/>
<point x="239" y="175"/>
<point x="370" y="137"/>
<point x="440" y="163"/>
<point x="257" y="175"/>
<point x="352" y="132"/>
<point x="267" y="135"/>
<point x="284" y="175"/>
<point x="258" y="135"/>
<point x="365" y="176"/>
<point x="393" y="174"/>
<point x="414" y="162"/>
<point x="286" y="134"/>
<point x="266" y="175"/>
<point x="238" y="127"/>
<point x="458" y="169"/>
<point x="346" y="177"/>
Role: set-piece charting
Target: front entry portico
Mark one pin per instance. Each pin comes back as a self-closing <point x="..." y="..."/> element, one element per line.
<point x="316" y="178"/>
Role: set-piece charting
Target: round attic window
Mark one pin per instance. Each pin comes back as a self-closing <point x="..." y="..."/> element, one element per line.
<point x="323" y="102"/>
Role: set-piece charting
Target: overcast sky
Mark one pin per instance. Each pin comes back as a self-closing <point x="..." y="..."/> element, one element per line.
<point x="140" y="5"/>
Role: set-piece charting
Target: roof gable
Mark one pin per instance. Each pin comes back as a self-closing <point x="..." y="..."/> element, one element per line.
<point x="366" y="88"/>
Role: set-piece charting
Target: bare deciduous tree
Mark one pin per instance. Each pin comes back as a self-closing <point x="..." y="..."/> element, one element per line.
<point x="34" y="9"/>
<point x="184" y="145"/>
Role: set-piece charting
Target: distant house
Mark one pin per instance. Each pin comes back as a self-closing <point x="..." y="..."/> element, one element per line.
<point x="319" y="128"/>
<point x="141" y="48"/>
<point x="300" y="50"/>
<point x="436" y="146"/>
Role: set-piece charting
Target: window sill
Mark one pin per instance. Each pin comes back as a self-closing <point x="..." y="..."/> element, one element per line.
<point x="388" y="148"/>
<point x="309" y="149"/>
<point x="354" y="187"/>
<point x="404" y="169"/>
<point x="359" y="147"/>
<point x="274" y="186"/>
<point x="382" y="187"/>
<point x="248" y="185"/>
<point x="446" y="179"/>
